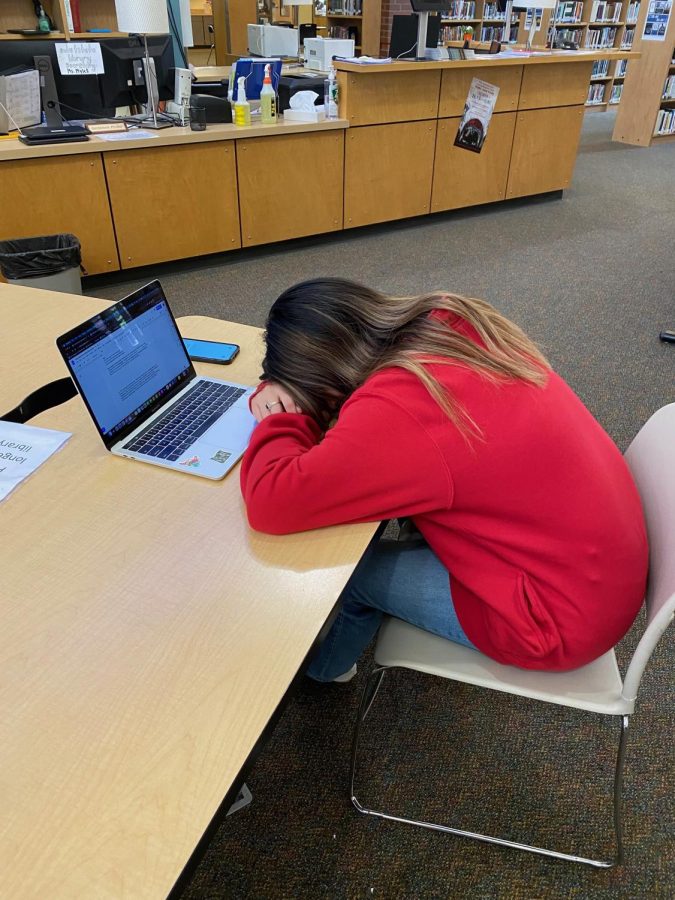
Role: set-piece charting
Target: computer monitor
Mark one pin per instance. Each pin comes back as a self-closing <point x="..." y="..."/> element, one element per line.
<point x="404" y="35"/>
<point x="123" y="81"/>
<point x="79" y="95"/>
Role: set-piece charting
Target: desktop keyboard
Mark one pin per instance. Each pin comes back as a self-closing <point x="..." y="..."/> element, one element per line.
<point x="170" y="436"/>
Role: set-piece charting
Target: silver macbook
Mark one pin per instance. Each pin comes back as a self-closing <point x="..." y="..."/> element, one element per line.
<point x="135" y="376"/>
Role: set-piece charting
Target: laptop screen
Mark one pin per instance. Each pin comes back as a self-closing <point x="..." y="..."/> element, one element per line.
<point x="127" y="360"/>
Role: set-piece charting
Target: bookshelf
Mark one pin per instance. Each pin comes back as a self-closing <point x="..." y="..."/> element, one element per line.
<point x="647" y="112"/>
<point x="357" y="19"/>
<point x="600" y="24"/>
<point x="93" y="14"/>
<point x="483" y="16"/>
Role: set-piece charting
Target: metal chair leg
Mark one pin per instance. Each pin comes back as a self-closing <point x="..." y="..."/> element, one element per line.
<point x="370" y="691"/>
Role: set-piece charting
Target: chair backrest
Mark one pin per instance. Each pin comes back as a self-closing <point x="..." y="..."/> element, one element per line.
<point x="651" y="459"/>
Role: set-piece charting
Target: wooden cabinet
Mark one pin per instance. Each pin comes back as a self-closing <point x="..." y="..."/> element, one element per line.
<point x="60" y="194"/>
<point x="290" y="186"/>
<point x="389" y="96"/>
<point x="174" y="202"/>
<point x="455" y="88"/>
<point x="463" y="178"/>
<point x="561" y="84"/>
<point x="388" y="172"/>
<point x="544" y="150"/>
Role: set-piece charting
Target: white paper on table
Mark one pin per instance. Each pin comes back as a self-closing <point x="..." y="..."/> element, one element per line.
<point x="126" y="135"/>
<point x="80" y="58"/>
<point x="23" y="449"/>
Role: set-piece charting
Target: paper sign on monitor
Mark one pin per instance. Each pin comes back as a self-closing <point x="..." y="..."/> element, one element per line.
<point x="80" y="58"/>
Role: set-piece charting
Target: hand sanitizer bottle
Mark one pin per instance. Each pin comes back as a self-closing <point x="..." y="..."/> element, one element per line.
<point x="330" y="95"/>
<point x="242" y="108"/>
<point x="268" y="99"/>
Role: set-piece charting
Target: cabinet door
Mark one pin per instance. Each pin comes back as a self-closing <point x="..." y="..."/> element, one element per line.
<point x="465" y="178"/>
<point x="174" y="202"/>
<point x="60" y="194"/>
<point x="290" y="185"/>
<point x="544" y="150"/>
<point x="388" y="172"/>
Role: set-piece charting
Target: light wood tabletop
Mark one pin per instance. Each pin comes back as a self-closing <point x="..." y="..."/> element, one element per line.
<point x="148" y="636"/>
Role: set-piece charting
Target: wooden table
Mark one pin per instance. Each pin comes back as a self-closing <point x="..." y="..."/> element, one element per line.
<point x="148" y="637"/>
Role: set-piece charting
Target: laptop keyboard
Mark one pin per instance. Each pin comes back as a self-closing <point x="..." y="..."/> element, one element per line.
<point x="170" y="436"/>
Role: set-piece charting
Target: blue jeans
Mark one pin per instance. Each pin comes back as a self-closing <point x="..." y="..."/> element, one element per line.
<point x="402" y="579"/>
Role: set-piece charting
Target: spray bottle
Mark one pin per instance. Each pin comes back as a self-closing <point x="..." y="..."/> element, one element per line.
<point x="330" y="95"/>
<point x="242" y="108"/>
<point x="268" y="99"/>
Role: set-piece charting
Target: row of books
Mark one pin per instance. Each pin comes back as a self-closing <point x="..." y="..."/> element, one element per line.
<point x="600" y="38"/>
<point x="601" y="11"/>
<point x="569" y="12"/>
<point x="669" y="88"/>
<point x="492" y="11"/>
<point x="600" y="68"/>
<point x="633" y="12"/>
<point x="621" y="67"/>
<point x="665" y="122"/>
<point x="568" y="35"/>
<point x="452" y="33"/>
<point x="627" y="39"/>
<point x="344" y="33"/>
<point x="617" y="90"/>
<point x="461" y="9"/>
<point x="345" y="8"/>
<point x="596" y="94"/>
<point x="496" y="33"/>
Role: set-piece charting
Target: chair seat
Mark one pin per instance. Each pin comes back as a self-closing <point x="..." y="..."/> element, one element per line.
<point x="595" y="687"/>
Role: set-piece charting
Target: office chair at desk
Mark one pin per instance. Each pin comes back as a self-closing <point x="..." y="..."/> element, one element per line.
<point x="46" y="397"/>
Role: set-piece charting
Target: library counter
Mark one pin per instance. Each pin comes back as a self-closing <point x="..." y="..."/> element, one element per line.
<point x="177" y="194"/>
<point x="407" y="114"/>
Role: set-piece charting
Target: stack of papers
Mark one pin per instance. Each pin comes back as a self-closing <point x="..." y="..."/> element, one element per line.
<point x="364" y="60"/>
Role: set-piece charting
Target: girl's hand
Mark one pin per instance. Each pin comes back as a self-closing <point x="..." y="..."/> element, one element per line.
<point x="271" y="399"/>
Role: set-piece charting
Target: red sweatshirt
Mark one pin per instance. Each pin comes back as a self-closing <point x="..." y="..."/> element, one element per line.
<point x="539" y="523"/>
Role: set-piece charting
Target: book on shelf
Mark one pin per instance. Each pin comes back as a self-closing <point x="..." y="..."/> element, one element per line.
<point x="615" y="96"/>
<point x="73" y="16"/>
<point x="460" y="9"/>
<point x="451" y="33"/>
<point x="665" y="122"/>
<point x="345" y="8"/>
<point x="633" y="12"/>
<point x="602" y="11"/>
<point x="621" y="67"/>
<point x="600" y="38"/>
<point x="569" y="13"/>
<point x="596" y="94"/>
<point x="567" y="35"/>
<point x="490" y="33"/>
<point x="627" y="39"/>
<point x="600" y="68"/>
<point x="669" y="88"/>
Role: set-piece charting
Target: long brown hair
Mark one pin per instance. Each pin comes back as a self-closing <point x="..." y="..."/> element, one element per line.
<point x="326" y="336"/>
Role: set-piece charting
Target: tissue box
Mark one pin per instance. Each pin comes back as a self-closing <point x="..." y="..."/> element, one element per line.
<point x="305" y="115"/>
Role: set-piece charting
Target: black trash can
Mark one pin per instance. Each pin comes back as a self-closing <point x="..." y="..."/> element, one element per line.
<point x="51" y="262"/>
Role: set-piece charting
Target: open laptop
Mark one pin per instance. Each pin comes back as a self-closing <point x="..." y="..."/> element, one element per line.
<point x="131" y="367"/>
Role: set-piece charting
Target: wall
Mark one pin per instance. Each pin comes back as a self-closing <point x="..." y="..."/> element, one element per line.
<point x="389" y="8"/>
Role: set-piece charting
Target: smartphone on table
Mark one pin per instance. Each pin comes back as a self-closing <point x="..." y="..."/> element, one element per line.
<point x="210" y="351"/>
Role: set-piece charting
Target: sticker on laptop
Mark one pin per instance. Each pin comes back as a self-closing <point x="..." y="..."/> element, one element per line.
<point x="191" y="461"/>
<point x="221" y="456"/>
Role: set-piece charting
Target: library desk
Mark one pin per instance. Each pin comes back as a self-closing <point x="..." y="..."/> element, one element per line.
<point x="406" y="114"/>
<point x="136" y="202"/>
<point x="148" y="638"/>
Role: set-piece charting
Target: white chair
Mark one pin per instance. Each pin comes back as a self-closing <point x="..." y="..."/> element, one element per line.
<point x="596" y="687"/>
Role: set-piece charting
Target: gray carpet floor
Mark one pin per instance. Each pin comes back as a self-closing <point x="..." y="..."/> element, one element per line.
<point x="592" y="278"/>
